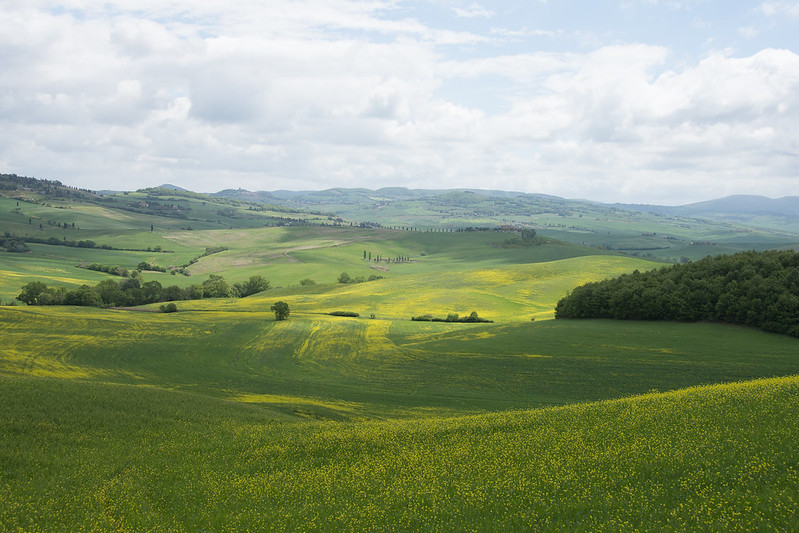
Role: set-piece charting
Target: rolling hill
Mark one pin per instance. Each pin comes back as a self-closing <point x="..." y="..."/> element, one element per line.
<point x="664" y="233"/>
<point x="220" y="417"/>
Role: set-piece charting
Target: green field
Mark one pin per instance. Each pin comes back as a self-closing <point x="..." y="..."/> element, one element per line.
<point x="97" y="456"/>
<point x="218" y="417"/>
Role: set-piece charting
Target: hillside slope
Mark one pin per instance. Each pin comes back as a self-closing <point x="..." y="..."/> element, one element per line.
<point x="96" y="456"/>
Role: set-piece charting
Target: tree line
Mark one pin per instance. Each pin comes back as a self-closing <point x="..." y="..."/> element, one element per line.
<point x="132" y="291"/>
<point x="759" y="289"/>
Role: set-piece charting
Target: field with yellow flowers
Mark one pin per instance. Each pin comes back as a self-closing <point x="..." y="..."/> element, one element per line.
<point x="219" y="417"/>
<point x="93" y="455"/>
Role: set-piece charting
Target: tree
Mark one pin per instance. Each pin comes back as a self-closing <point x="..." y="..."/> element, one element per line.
<point x="216" y="287"/>
<point x="152" y="291"/>
<point x="307" y="281"/>
<point x="281" y="310"/>
<point x="254" y="285"/>
<point x="31" y="292"/>
<point x="83" y="296"/>
<point x="109" y="292"/>
<point x="344" y="278"/>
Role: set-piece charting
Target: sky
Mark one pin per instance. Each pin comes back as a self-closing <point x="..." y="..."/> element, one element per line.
<point x="637" y="101"/>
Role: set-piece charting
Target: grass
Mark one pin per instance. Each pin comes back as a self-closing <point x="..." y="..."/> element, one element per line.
<point x="696" y="459"/>
<point x="343" y="368"/>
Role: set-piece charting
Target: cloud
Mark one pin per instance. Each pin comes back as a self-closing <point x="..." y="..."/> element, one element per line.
<point x="776" y="9"/>
<point x="474" y="10"/>
<point x="323" y="93"/>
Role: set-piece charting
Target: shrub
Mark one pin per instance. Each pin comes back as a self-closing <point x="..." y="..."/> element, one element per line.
<point x="168" y="307"/>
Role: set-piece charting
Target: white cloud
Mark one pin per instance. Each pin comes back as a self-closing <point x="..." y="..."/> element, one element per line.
<point x="324" y="93"/>
<point x="474" y="10"/>
<point x="776" y="9"/>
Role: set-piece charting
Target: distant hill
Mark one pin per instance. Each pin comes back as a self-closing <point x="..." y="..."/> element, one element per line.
<point x="731" y="206"/>
<point x="663" y="233"/>
<point x="485" y="203"/>
<point x="172" y="187"/>
<point x="748" y="205"/>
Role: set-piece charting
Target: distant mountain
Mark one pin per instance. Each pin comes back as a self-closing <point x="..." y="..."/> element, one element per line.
<point x="172" y="187"/>
<point x="748" y="205"/>
<point x="248" y="196"/>
<point x="366" y="197"/>
<point x="740" y="207"/>
<point x="757" y="211"/>
<point x="736" y="205"/>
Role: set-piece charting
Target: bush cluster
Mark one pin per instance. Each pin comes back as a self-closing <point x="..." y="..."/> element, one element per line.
<point x="12" y="243"/>
<point x="144" y="265"/>
<point x="345" y="278"/>
<point x="114" y="270"/>
<point x="452" y="317"/>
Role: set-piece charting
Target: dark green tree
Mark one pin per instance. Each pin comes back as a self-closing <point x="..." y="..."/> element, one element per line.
<point x="31" y="292"/>
<point x="216" y="287"/>
<point x="152" y="291"/>
<point x="281" y="310"/>
<point x="254" y="285"/>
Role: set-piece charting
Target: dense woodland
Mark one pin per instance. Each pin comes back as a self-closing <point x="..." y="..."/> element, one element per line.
<point x="759" y="289"/>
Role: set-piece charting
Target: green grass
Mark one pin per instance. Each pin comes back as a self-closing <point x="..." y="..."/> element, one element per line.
<point x="719" y="458"/>
<point x="289" y="254"/>
<point x="345" y="368"/>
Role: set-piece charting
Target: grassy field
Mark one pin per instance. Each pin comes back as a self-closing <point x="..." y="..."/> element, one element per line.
<point x="219" y="417"/>
<point x="343" y="368"/>
<point x="97" y="456"/>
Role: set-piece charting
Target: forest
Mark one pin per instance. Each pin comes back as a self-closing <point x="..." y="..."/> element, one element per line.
<point x="758" y="289"/>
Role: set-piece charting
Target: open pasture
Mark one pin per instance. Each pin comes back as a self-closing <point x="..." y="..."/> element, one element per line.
<point x="352" y="368"/>
<point x="92" y="455"/>
<point x="286" y="255"/>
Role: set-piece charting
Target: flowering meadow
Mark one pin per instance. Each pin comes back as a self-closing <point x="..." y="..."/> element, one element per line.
<point x="84" y="455"/>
